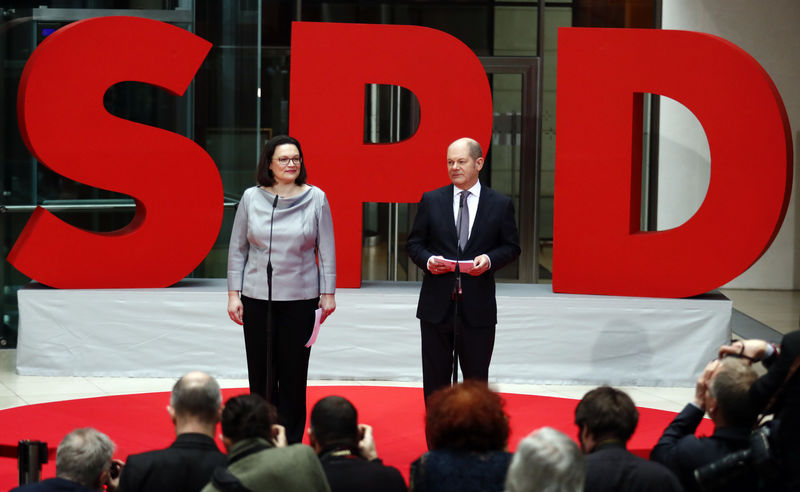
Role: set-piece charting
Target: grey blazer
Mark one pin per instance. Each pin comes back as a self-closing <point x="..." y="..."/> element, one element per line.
<point x="302" y="232"/>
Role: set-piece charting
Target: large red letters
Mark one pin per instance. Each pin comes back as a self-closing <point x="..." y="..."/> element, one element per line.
<point x="331" y="65"/>
<point x="602" y="73"/>
<point x="175" y="184"/>
<point x="597" y="245"/>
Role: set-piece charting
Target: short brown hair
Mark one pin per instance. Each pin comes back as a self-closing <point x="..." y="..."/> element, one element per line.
<point x="246" y="416"/>
<point x="607" y="412"/>
<point x="731" y="388"/>
<point x="468" y="416"/>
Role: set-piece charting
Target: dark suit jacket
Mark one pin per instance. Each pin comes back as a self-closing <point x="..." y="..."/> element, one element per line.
<point x="52" y="485"/>
<point x="679" y="450"/>
<point x="352" y="473"/>
<point x="612" y="468"/>
<point x="494" y="233"/>
<point x="187" y="465"/>
<point x="786" y="409"/>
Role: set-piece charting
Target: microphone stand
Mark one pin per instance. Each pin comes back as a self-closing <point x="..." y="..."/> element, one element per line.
<point x="457" y="291"/>
<point x="270" y="348"/>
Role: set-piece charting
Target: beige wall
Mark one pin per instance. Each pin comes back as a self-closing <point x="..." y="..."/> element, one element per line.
<point x="769" y="30"/>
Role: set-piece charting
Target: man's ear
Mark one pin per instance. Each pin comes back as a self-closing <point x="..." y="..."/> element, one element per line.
<point x="711" y="406"/>
<point x="171" y="412"/>
<point x="479" y="163"/>
<point x="227" y="442"/>
<point x="312" y="440"/>
<point x="103" y="479"/>
<point x="587" y="440"/>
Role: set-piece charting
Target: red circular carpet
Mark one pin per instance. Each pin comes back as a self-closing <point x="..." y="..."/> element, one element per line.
<point x="140" y="422"/>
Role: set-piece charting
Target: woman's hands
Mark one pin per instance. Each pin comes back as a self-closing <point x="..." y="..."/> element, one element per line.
<point x="328" y="304"/>
<point x="235" y="308"/>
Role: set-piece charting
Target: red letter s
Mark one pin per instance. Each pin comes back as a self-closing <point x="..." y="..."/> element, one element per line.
<point x="175" y="184"/>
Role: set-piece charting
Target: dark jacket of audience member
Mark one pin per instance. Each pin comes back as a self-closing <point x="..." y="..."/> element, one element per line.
<point x="186" y="465"/>
<point x="347" y="450"/>
<point x="786" y="409"/>
<point x="606" y="418"/>
<point x="83" y="464"/>
<point x="467" y="431"/>
<point x="256" y="464"/>
<point x="722" y="390"/>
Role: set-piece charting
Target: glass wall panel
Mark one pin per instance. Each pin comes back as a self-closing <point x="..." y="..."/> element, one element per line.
<point x="220" y="111"/>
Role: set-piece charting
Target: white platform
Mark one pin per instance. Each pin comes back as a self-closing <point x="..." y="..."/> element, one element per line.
<point x="541" y="337"/>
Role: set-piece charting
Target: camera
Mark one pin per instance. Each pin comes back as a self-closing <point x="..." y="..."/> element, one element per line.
<point x="740" y="465"/>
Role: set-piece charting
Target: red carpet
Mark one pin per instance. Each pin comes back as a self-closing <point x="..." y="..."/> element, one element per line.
<point x="140" y="422"/>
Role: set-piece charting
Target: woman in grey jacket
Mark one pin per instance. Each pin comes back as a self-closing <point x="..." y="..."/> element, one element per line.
<point x="283" y="225"/>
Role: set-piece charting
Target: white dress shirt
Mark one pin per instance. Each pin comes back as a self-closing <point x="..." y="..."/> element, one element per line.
<point x="472" y="203"/>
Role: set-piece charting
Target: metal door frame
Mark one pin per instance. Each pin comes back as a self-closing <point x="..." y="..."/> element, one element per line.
<point x="529" y="67"/>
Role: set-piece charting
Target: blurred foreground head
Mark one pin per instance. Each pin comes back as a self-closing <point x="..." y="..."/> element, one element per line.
<point x="546" y="461"/>
<point x="84" y="456"/>
<point x="467" y="417"/>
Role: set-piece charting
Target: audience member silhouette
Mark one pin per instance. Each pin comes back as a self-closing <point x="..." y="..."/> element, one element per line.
<point x="347" y="450"/>
<point x="467" y="431"/>
<point x="83" y="463"/>
<point x="722" y="391"/>
<point x="187" y="464"/>
<point x="259" y="459"/>
<point x="606" y="418"/>
<point x="546" y="461"/>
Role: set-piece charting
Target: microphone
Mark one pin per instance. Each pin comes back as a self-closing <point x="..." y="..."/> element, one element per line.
<point x="269" y="375"/>
<point x="269" y="254"/>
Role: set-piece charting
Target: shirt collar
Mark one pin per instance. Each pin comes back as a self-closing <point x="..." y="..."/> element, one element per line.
<point x="475" y="190"/>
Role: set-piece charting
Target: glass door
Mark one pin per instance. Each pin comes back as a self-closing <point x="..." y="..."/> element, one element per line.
<point x="512" y="168"/>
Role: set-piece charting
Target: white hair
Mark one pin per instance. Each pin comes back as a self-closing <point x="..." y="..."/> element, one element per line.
<point x="546" y="461"/>
<point x="83" y="455"/>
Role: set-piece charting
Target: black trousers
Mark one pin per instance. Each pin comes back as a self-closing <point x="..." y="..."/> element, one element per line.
<point x="292" y="324"/>
<point x="474" y="343"/>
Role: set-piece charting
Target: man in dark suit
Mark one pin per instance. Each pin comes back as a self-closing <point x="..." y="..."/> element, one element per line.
<point x="347" y="451"/>
<point x="722" y="391"/>
<point x="606" y="418"/>
<point x="188" y="464"/>
<point x="457" y="309"/>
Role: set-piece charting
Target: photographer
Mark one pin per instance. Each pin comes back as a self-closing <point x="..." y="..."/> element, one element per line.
<point x="259" y="459"/>
<point x="777" y="393"/>
<point x="83" y="463"/>
<point x="346" y="449"/>
<point x="723" y="391"/>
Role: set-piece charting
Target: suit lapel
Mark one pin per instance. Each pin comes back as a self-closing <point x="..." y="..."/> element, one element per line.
<point x="480" y="216"/>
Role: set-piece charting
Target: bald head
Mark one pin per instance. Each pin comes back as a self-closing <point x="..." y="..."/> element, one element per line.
<point x="464" y="162"/>
<point x="472" y="147"/>
<point x="196" y="395"/>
